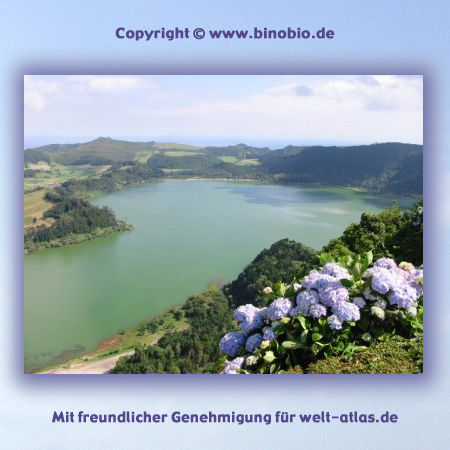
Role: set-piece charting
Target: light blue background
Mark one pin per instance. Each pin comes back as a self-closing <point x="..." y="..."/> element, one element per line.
<point x="371" y="37"/>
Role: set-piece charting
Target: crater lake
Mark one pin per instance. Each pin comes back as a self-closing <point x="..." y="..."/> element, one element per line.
<point x="187" y="234"/>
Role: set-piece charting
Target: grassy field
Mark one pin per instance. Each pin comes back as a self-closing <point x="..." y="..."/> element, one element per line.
<point x="241" y="162"/>
<point x="171" y="146"/>
<point x="144" y="155"/>
<point x="34" y="206"/>
<point x="182" y="153"/>
<point x="59" y="174"/>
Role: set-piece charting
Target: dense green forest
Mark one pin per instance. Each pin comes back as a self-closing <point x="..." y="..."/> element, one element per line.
<point x="71" y="216"/>
<point x="120" y="175"/>
<point x="388" y="167"/>
<point x="239" y="151"/>
<point x="284" y="260"/>
<point x="193" y="162"/>
<point x="393" y="168"/>
<point x="391" y="233"/>
<point x="194" y="350"/>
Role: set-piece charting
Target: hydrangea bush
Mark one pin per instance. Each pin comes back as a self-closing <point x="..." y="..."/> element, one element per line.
<point x="342" y="307"/>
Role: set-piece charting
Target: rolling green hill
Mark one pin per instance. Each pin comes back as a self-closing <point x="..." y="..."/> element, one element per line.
<point x="388" y="167"/>
<point x="392" y="167"/>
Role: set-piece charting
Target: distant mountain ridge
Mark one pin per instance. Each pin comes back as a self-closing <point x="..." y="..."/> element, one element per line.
<point x="390" y="167"/>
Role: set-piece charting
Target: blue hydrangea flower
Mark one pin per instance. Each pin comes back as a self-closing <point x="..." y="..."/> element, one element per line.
<point x="316" y="280"/>
<point x="382" y="279"/>
<point x="336" y="271"/>
<point x="347" y="311"/>
<point x="386" y="263"/>
<point x="305" y="299"/>
<point x="254" y="341"/>
<point x="233" y="367"/>
<point x="269" y="334"/>
<point x="232" y="342"/>
<point x="317" y="311"/>
<point x="279" y="308"/>
<point x="250" y="317"/>
<point x="359" y="302"/>
<point x="333" y="294"/>
<point x="403" y="296"/>
<point x="334" y="322"/>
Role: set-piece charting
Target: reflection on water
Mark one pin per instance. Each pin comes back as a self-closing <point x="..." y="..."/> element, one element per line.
<point x="276" y="195"/>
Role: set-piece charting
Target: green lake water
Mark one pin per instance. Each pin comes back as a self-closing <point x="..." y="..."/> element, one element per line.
<point x="188" y="233"/>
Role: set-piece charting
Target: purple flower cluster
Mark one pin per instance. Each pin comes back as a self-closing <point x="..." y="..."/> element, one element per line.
<point x="233" y="367"/>
<point x="232" y="342"/>
<point x="401" y="285"/>
<point x="250" y="317"/>
<point x="347" y="311"/>
<point x="324" y="290"/>
<point x="279" y="308"/>
<point x="253" y="342"/>
<point x="336" y="271"/>
<point x="334" y="322"/>
<point x="322" y="294"/>
<point x="269" y="335"/>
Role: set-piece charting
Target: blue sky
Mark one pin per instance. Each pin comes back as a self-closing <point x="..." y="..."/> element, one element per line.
<point x="208" y="109"/>
<point x="76" y="38"/>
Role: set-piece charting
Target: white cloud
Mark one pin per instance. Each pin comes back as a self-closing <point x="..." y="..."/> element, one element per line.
<point x="37" y="91"/>
<point x="354" y="108"/>
<point x="110" y="83"/>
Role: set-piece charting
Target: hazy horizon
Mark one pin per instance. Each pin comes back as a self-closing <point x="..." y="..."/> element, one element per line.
<point x="39" y="141"/>
<point x="273" y="111"/>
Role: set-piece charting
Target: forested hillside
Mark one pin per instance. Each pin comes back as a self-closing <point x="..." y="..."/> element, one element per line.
<point x="389" y="167"/>
<point x="389" y="233"/>
<point x="393" y="168"/>
<point x="194" y="350"/>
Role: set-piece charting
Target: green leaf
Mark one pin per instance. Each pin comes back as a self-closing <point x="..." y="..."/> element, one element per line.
<point x="369" y="258"/>
<point x="322" y="259"/>
<point x="269" y="357"/>
<point x="273" y="368"/>
<point x="282" y="289"/>
<point x="346" y="283"/>
<point x="289" y="345"/>
<point x="302" y="322"/>
<point x="316" y="337"/>
<point x="304" y="337"/>
<point x="357" y="270"/>
<point x="279" y="329"/>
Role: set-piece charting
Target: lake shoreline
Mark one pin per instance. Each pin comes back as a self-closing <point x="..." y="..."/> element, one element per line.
<point x="136" y="256"/>
<point x="118" y="344"/>
<point x="123" y="226"/>
<point x="73" y="239"/>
